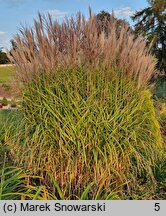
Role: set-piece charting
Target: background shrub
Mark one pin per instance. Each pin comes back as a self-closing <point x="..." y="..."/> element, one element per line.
<point x="4" y="102"/>
<point x="13" y="104"/>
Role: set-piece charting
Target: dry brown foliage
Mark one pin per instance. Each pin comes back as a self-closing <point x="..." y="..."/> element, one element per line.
<point x="80" y="42"/>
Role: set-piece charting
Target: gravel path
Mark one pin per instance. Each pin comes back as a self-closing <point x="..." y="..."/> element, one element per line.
<point x="6" y="65"/>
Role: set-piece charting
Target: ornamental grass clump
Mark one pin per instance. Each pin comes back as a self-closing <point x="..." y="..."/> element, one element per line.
<point x="87" y="116"/>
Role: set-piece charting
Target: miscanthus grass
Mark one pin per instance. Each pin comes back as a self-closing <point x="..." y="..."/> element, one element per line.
<point x="88" y="125"/>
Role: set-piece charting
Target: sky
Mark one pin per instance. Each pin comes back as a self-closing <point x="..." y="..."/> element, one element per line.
<point x="15" y="13"/>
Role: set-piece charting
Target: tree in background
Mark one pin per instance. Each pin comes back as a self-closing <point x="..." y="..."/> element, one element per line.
<point x="151" y="23"/>
<point x="3" y="57"/>
<point x="103" y="18"/>
<point x="13" y="44"/>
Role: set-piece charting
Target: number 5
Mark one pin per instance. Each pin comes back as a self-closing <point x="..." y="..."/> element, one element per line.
<point x="157" y="207"/>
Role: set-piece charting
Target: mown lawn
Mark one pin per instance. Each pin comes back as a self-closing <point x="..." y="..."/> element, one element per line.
<point x="4" y="116"/>
<point x="6" y="73"/>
